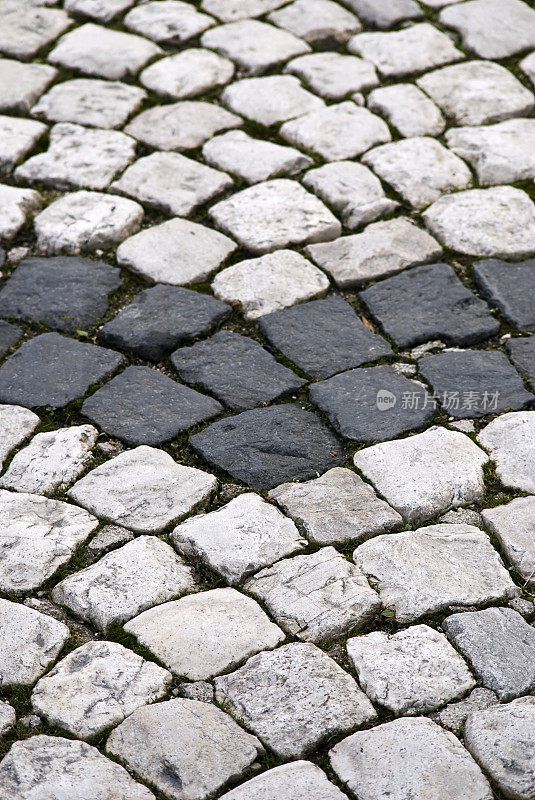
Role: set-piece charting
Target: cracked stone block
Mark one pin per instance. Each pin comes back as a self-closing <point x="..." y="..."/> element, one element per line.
<point x="511" y="288"/>
<point x="31" y="642"/>
<point x="97" y="686"/>
<point x="66" y="293"/>
<point x="500" y="647"/>
<point x="270" y="100"/>
<point x="428" y="303"/>
<point x="172" y="183"/>
<point x="472" y="383"/>
<point x="161" y="318"/>
<point x="492" y="28"/>
<point x="336" y="508"/>
<point x="16" y="424"/>
<point x="254" y="46"/>
<point x="17" y="138"/>
<point x="408" y="109"/>
<point x="420" y="169"/>
<point x="501" y="741"/>
<point x="337" y="132"/>
<point x="239" y="9"/>
<point x="26" y="30"/>
<point x="16" y="205"/>
<point x="108" y="538"/>
<point x="267" y="446"/>
<point x="333" y="75"/>
<point x="501" y="153"/>
<point x="9" y="335"/>
<point x="52" y="370"/>
<point x="239" y="538"/>
<point x="318" y="22"/>
<point x="253" y="160"/>
<point x="101" y="10"/>
<point x="236" y="369"/>
<point x="527" y="65"/>
<point x="274" y="281"/>
<point x="408" y="757"/>
<point x="351" y="401"/>
<point x="184" y="748"/>
<point x="266" y="691"/>
<point x="323" y="337"/>
<point x="477" y="92"/>
<point x="425" y="474"/>
<point x="38" y="536"/>
<point x="514" y="526"/>
<point x="176" y="252"/>
<point x="168" y="22"/>
<point x="289" y="782"/>
<point x="185" y="125"/>
<point x="204" y="634"/>
<point x="21" y="85"/>
<point x="7" y="718"/>
<point x="187" y="74"/>
<point x="273" y="215"/>
<point x="382" y="249"/>
<point x="53" y="765"/>
<point x="317" y="597"/>
<point x="86" y="221"/>
<point x="103" y="52"/>
<point x="387" y="13"/>
<point x="522" y="354"/>
<point x="52" y="460"/>
<point x="143" y="573"/>
<point x="143" y="489"/>
<point x="454" y="715"/>
<point x="352" y="190"/>
<point x="414" y="49"/>
<point x="424" y="572"/>
<point x="510" y="440"/>
<point x="143" y="406"/>
<point x="413" y="671"/>
<point x="104" y="104"/>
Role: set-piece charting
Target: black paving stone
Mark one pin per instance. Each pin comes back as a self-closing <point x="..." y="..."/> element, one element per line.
<point x="52" y="370"/>
<point x="161" y="318"/>
<point x="9" y="334"/>
<point x="323" y="337"/>
<point x="235" y="369"/>
<point x="472" y="383"/>
<point x="373" y="404"/>
<point x="143" y="406"/>
<point x="64" y="292"/>
<point x="426" y="303"/>
<point x="268" y="446"/>
<point x="509" y="287"/>
<point x="522" y="352"/>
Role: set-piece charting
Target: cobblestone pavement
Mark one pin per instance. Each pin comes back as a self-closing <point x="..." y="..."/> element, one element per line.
<point x="267" y="380"/>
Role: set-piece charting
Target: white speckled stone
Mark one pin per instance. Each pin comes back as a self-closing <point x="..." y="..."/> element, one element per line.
<point x="187" y="74"/>
<point x="181" y="126"/>
<point x="333" y="75"/>
<point x="294" y="781"/>
<point x="15" y="207"/>
<point x="408" y="109"/>
<point x="104" y="104"/>
<point x="510" y="440"/>
<point x="17" y="138"/>
<point x="169" y="22"/>
<point x="7" y="718"/>
<point x="514" y="526"/>
<point x="231" y="10"/>
<point x="317" y="21"/>
<point x="21" y="85"/>
<point x="253" y="160"/>
<point x="270" y="100"/>
<point x="492" y="28"/>
<point x="25" y="29"/>
<point x="102" y="10"/>
<point x="16" y="424"/>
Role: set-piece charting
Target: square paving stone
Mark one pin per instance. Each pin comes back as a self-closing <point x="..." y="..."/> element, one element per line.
<point x="144" y="406"/>
<point x="425" y="474"/>
<point x="275" y="214"/>
<point x="510" y="287"/>
<point x="522" y="354"/>
<point x="188" y="74"/>
<point x="103" y="10"/>
<point x="316" y="597"/>
<point x="472" y="383"/>
<point x="492" y="28"/>
<point x="161" y="318"/>
<point x="289" y="781"/>
<point x="52" y="370"/>
<point x="236" y="369"/>
<point x="38" y="536"/>
<point x="243" y="536"/>
<point x="352" y="401"/>
<point x="408" y="109"/>
<point x="267" y="446"/>
<point x="333" y="75"/>
<point x="103" y="52"/>
<point x="104" y="104"/>
<point x="270" y="100"/>
<point x="323" y="337"/>
<point x="16" y="205"/>
<point x="25" y="29"/>
<point x="510" y="439"/>
<point x="17" y="138"/>
<point x="266" y="691"/>
<point x="413" y="671"/>
<point x="424" y="572"/>
<point x="500" y="646"/>
<point x="382" y="249"/>
<point x="66" y="293"/>
<point x="387" y="13"/>
<point x="143" y="489"/>
<point x="204" y="634"/>
<point x="168" y="22"/>
<point x="428" y="303"/>
<point x="9" y="335"/>
<point x="16" y="425"/>
<point x="21" y="85"/>
<point x="514" y="526"/>
<point x="319" y="22"/>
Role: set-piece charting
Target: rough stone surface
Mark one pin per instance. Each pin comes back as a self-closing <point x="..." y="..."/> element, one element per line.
<point x="510" y="440"/>
<point x="492" y="28"/>
<point x="7" y="717"/>
<point x="501" y="153"/>
<point x="17" y="138"/>
<point x="16" y="424"/>
<point x="239" y="9"/>
<point x="408" y="109"/>
<point x="182" y="126"/>
<point x="253" y="160"/>
<point x="187" y="74"/>
<point x="9" y="335"/>
<point x="270" y="100"/>
<point x="25" y="29"/>
<point x="168" y="22"/>
<point x="454" y="715"/>
<point x="291" y="782"/>
<point x="103" y="10"/>
<point x="21" y="85"/>
<point x="104" y="104"/>
<point x="385" y="14"/>
<point x="319" y="22"/>
<point x="522" y="354"/>
<point x="16" y="205"/>
<point x="333" y="75"/>
<point x="510" y="287"/>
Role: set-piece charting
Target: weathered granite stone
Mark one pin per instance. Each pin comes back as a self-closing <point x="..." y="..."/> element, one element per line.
<point x="17" y="138"/>
<point x="501" y="153"/>
<point x="510" y="287"/>
<point x="289" y="782"/>
<point x="239" y="9"/>
<point x="462" y="515"/>
<point x="239" y="538"/>
<point x="454" y="715"/>
<point x="198" y="690"/>
<point x="108" y="538"/>
<point x="318" y="22"/>
<point x="514" y="526"/>
<point x="408" y="109"/>
<point x="270" y="100"/>
<point x="7" y="717"/>
<point x="253" y="160"/>
<point x="510" y="440"/>
<point x="104" y="104"/>
<point x="16" y="205"/>
<point x="16" y="424"/>
<point x="522" y="354"/>
<point x="387" y="13"/>
<point x="129" y="580"/>
<point x="168" y="22"/>
<point x="9" y="335"/>
<point x="333" y="75"/>
<point x="527" y="65"/>
<point x="492" y="28"/>
<point x="265" y="693"/>
<point x="187" y="74"/>
<point x="21" y="85"/>
<point x="143" y="489"/>
<point x="25" y="30"/>
<point x="103" y="10"/>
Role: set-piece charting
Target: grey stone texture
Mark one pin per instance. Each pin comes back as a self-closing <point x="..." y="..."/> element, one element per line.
<point x="253" y="160"/>
<point x="522" y="354"/>
<point x="9" y="335"/>
<point x="509" y="287"/>
<point x="386" y="14"/>
<point x="289" y="781"/>
<point x="510" y="441"/>
<point x="167" y="22"/>
<point x="104" y="104"/>
<point x="18" y="138"/>
<point x="270" y="100"/>
<point x="21" y="84"/>
<point x="492" y="28"/>
<point x="319" y="22"/>
<point x="408" y="109"/>
<point x="16" y="424"/>
<point x="16" y="206"/>
<point x="26" y="29"/>
<point x="454" y="715"/>
<point x="333" y="75"/>
<point x="187" y="74"/>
